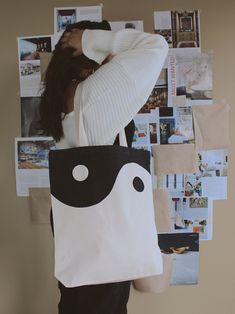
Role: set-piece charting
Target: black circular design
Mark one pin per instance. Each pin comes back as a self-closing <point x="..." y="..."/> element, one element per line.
<point x="104" y="164"/>
<point x="138" y="184"/>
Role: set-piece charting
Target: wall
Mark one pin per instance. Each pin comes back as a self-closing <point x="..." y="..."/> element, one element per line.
<point x="27" y="285"/>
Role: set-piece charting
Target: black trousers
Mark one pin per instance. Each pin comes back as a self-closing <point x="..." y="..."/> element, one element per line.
<point x="108" y="298"/>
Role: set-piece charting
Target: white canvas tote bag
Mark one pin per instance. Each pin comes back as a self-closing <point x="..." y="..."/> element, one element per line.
<point x="102" y="203"/>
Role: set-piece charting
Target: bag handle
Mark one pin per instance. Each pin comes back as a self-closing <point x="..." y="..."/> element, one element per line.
<point x="82" y="137"/>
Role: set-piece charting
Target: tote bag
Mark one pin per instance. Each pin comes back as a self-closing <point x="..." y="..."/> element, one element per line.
<point x="102" y="203"/>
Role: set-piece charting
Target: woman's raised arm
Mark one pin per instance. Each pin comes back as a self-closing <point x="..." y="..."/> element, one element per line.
<point x="111" y="97"/>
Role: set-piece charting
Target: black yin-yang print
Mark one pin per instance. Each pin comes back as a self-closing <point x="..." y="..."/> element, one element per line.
<point x="86" y="176"/>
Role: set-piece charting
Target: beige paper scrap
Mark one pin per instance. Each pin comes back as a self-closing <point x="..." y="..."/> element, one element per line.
<point x="174" y="158"/>
<point x="40" y="205"/>
<point x="162" y="210"/>
<point x="211" y="124"/>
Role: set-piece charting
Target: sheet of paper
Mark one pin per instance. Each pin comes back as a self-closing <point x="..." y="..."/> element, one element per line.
<point x="29" y="49"/>
<point x="185" y="250"/>
<point x="181" y="29"/>
<point x="31" y="163"/>
<point x="176" y="125"/>
<point x="146" y="130"/>
<point x="40" y="205"/>
<point x="215" y="187"/>
<point x="192" y="214"/>
<point x="162" y="210"/>
<point x="211" y="124"/>
<point x="119" y="25"/>
<point x="65" y="16"/>
<point x="190" y="75"/>
<point x="173" y="159"/>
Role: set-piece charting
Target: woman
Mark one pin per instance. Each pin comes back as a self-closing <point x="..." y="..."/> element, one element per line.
<point x="108" y="76"/>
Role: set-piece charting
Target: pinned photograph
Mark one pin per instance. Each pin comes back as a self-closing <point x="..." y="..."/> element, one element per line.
<point x="183" y="126"/>
<point x="29" y="51"/>
<point x="181" y="29"/>
<point x="63" y="18"/>
<point x="192" y="185"/>
<point x="141" y="134"/>
<point x="153" y="133"/>
<point x="210" y="180"/>
<point x="213" y="163"/>
<point x="184" y="247"/>
<point x="192" y="214"/>
<point x="176" y="125"/>
<point x="30" y="47"/>
<point x="167" y="129"/>
<point x="31" y="163"/>
<point x="191" y="76"/>
<point x="33" y="154"/>
<point x="146" y="129"/>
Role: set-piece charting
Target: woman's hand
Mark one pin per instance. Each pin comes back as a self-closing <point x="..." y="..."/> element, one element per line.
<point x="73" y="39"/>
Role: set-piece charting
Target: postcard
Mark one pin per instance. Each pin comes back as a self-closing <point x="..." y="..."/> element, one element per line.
<point x="185" y="250"/>
<point x="29" y="49"/>
<point x="190" y="75"/>
<point x="192" y="214"/>
<point x="65" y="16"/>
<point x="176" y="125"/>
<point x="181" y="29"/>
<point x="31" y="163"/>
<point x="211" y="178"/>
<point x="146" y="129"/>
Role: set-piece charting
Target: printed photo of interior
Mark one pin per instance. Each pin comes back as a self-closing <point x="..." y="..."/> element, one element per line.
<point x="185" y="29"/>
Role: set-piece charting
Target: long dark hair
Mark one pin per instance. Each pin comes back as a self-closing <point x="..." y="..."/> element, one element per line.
<point x="62" y="69"/>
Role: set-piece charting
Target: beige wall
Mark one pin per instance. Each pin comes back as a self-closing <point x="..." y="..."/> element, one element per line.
<point x="27" y="285"/>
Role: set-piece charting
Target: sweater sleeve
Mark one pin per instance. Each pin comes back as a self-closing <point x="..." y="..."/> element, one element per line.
<point x="113" y="95"/>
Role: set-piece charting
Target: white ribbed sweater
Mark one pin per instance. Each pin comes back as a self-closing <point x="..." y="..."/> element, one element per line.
<point x="112" y="96"/>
